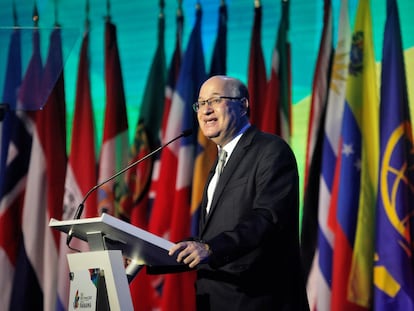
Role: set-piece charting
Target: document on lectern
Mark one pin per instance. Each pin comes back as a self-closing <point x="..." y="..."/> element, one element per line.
<point x="135" y="243"/>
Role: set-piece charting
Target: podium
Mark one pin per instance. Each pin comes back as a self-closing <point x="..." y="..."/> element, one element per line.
<point x="98" y="278"/>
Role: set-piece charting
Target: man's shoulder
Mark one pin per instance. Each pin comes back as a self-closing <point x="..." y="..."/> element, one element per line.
<point x="263" y="137"/>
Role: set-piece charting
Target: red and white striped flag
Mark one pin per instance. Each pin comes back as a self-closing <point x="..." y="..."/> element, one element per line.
<point x="45" y="188"/>
<point x="13" y="201"/>
<point x="320" y="276"/>
<point x="315" y="141"/>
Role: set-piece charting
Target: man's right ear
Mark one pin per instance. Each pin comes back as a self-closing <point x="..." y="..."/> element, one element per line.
<point x="244" y="102"/>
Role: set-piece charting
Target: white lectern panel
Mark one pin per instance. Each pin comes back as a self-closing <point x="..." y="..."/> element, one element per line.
<point x="135" y="243"/>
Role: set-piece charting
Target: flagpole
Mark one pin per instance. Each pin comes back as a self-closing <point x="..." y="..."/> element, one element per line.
<point x="108" y="10"/>
<point x="35" y="16"/>
<point x="87" y="20"/>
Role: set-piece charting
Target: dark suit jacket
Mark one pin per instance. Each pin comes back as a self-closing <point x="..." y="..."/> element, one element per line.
<point x="252" y="229"/>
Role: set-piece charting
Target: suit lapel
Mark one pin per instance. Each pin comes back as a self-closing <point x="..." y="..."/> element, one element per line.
<point x="204" y="200"/>
<point x="236" y="157"/>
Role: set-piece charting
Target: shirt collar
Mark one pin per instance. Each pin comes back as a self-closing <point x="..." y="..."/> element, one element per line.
<point x="229" y="147"/>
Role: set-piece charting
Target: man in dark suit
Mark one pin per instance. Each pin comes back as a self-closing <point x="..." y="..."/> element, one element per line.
<point x="247" y="255"/>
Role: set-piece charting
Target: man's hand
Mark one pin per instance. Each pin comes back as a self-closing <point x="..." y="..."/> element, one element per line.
<point x="191" y="252"/>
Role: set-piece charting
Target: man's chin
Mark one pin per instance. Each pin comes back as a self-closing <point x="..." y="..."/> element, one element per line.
<point x="210" y="132"/>
<point x="212" y="136"/>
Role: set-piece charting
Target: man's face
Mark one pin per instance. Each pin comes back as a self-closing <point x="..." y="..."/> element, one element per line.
<point x="219" y="118"/>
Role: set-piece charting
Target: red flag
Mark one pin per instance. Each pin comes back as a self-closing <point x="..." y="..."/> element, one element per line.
<point x="161" y="213"/>
<point x="173" y="71"/>
<point x="278" y="105"/>
<point x="81" y="173"/>
<point x="159" y="181"/>
<point x="82" y="159"/>
<point x="146" y="139"/>
<point x="51" y="124"/>
<point x="178" y="291"/>
<point x="257" y="78"/>
<point x="164" y="173"/>
<point x="115" y="145"/>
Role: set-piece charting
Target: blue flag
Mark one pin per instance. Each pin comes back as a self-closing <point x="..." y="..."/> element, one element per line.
<point x="394" y="269"/>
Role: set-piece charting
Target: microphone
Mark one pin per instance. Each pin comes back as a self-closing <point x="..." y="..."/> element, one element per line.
<point x="79" y="211"/>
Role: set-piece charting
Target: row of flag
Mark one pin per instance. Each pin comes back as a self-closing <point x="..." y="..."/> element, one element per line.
<point x="358" y="214"/>
<point x="39" y="181"/>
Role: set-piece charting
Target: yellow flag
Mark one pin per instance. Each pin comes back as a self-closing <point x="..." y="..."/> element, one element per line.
<point x="362" y="96"/>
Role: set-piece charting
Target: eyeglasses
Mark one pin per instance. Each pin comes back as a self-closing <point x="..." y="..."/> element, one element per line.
<point x="213" y="101"/>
